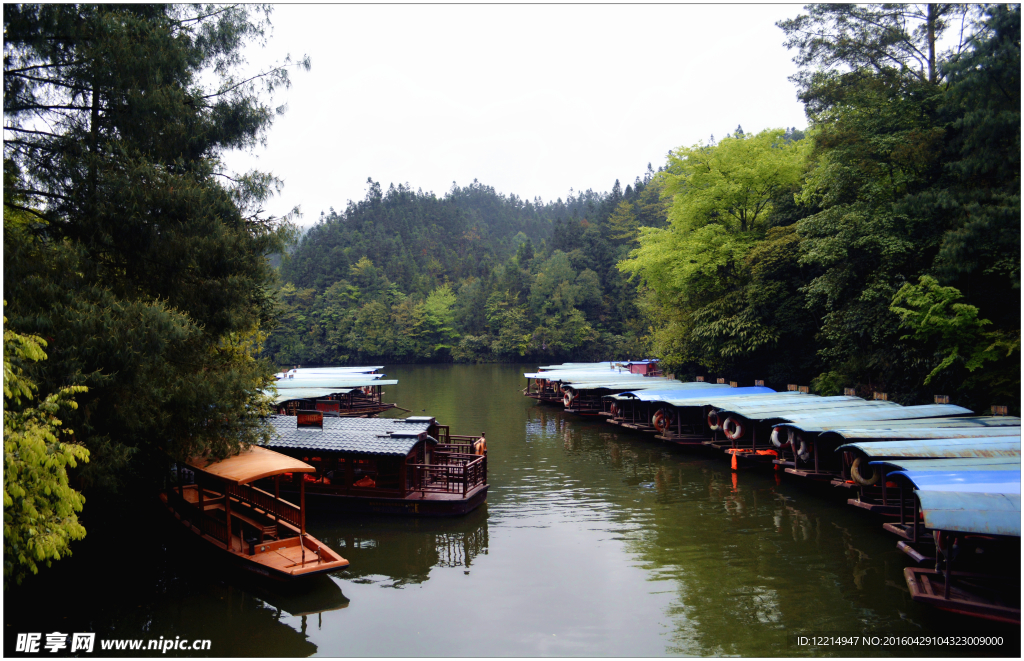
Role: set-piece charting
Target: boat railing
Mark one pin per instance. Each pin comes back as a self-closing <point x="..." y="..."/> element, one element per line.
<point x="453" y="448"/>
<point x="266" y="502"/>
<point x="190" y="512"/>
<point x="459" y="476"/>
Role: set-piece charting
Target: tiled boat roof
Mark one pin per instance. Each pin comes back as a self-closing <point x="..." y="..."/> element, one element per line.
<point x="376" y="436"/>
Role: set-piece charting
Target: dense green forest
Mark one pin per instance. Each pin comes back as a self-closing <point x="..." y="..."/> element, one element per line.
<point x="879" y="248"/>
<point x="405" y="276"/>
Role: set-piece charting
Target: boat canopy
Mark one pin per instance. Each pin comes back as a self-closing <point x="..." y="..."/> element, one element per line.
<point x="820" y="421"/>
<point x="307" y="393"/>
<point x="720" y="397"/>
<point x="980" y="481"/>
<point x="607" y="365"/>
<point x="614" y="383"/>
<point x="339" y="382"/>
<point x="593" y="375"/>
<point x="393" y="443"/>
<point x="303" y="372"/>
<point x="250" y="465"/>
<point x="954" y="464"/>
<point x="373" y="436"/>
<point x="690" y="390"/>
<point x="934" y="428"/>
<point x="996" y="446"/>
<point x="982" y="513"/>
<point x="985" y="500"/>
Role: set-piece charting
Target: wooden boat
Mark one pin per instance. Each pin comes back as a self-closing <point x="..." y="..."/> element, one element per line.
<point x="257" y="530"/>
<point x="363" y="402"/>
<point x="334" y="391"/>
<point x="410" y="466"/>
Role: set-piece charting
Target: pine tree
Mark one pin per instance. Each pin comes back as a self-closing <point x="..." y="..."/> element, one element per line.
<point x="143" y="263"/>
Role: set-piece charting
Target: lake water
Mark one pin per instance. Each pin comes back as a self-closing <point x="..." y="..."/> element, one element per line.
<point x="595" y="541"/>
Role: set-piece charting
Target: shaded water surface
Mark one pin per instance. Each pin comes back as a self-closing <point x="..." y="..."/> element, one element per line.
<point x="594" y="541"/>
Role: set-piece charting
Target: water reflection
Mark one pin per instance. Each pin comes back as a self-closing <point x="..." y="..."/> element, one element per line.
<point x="752" y="560"/>
<point x="399" y="551"/>
<point x="314" y="597"/>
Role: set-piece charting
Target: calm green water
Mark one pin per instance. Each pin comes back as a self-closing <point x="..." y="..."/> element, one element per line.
<point x="594" y="542"/>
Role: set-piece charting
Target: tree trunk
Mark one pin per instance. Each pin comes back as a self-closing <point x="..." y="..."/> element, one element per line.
<point x="932" y="75"/>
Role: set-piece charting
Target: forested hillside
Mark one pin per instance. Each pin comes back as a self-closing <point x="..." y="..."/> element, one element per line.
<point x="406" y="276"/>
<point x="880" y="249"/>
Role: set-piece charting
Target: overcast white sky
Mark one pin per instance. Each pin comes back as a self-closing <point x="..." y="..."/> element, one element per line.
<point x="530" y="99"/>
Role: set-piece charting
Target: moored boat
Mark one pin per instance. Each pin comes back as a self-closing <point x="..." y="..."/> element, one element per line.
<point x="334" y="391"/>
<point x="408" y="466"/>
<point x="255" y="529"/>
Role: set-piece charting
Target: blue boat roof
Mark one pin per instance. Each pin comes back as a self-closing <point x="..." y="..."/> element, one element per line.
<point x="704" y="390"/>
<point x="980" y="481"/>
<point x="827" y="420"/>
<point x="1000" y="446"/>
<point x="930" y="428"/>
<point x="953" y="463"/>
<point x="982" y="513"/>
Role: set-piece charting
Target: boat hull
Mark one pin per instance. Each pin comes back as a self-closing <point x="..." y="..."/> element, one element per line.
<point x="927" y="587"/>
<point x="247" y="564"/>
<point x="432" y="505"/>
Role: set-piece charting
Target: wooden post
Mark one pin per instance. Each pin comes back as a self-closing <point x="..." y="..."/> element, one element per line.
<point x="915" y="519"/>
<point x="227" y="517"/>
<point x="302" y="504"/>
<point x="949" y="563"/>
<point x="277" y="506"/>
<point x="202" y="514"/>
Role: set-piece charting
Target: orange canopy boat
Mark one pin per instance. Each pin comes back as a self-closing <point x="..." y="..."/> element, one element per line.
<point x="259" y="530"/>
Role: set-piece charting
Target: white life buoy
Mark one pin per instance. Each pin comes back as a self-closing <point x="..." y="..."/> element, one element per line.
<point x="567" y="399"/>
<point x="733" y="428"/>
<point x="790" y="437"/>
<point x="713" y="419"/>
